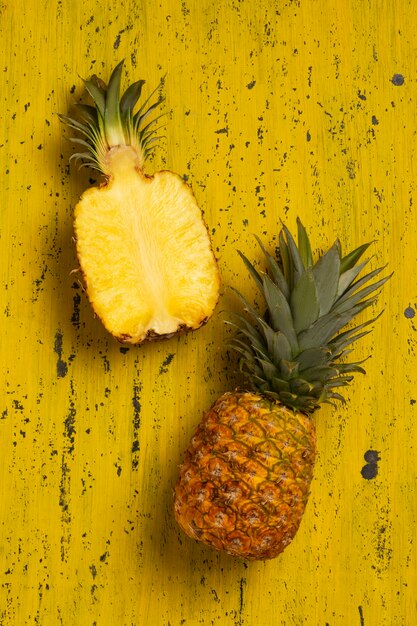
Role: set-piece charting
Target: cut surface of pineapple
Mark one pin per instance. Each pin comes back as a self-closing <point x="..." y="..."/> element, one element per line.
<point x="146" y="255"/>
<point x="143" y="247"/>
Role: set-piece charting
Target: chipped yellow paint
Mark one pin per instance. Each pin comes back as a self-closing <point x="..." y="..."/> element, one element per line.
<point x="278" y="109"/>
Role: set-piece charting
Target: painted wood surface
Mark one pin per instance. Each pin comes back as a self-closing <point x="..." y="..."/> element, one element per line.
<point x="276" y="110"/>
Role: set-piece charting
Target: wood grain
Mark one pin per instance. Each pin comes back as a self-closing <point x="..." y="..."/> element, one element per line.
<point x="276" y="110"/>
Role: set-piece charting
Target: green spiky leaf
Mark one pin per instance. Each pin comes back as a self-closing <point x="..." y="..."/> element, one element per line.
<point x="253" y="272"/>
<point x="326" y="274"/>
<point x="274" y="270"/>
<point x="297" y="261"/>
<point x="297" y="352"/>
<point x="279" y="311"/>
<point x="130" y="97"/>
<point x="305" y="304"/>
<point x="353" y="257"/>
<point x="304" y="245"/>
<point x="111" y="122"/>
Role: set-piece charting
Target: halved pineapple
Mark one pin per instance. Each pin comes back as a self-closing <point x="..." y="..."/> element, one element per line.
<point x="142" y="245"/>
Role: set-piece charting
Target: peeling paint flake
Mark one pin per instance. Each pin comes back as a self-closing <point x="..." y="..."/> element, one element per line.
<point x="61" y="366"/>
<point x="137" y="388"/>
<point x="409" y="313"/>
<point x="397" y="80"/>
<point x="166" y="362"/>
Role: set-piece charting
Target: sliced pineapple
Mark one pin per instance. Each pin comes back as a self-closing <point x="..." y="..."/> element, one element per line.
<point x="142" y="244"/>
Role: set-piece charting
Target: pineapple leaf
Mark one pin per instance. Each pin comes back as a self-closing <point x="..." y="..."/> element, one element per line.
<point x="253" y="272"/>
<point x="130" y="97"/>
<point x="98" y="94"/>
<point x="293" y="351"/>
<point x="336" y="396"/>
<point x="313" y="357"/>
<point x="268" y="368"/>
<point x="322" y="373"/>
<point x="342" y="340"/>
<point x="286" y="261"/>
<point x="327" y="326"/>
<point x="248" y="330"/>
<point x="347" y="341"/>
<point x="279" y="311"/>
<point x="80" y="155"/>
<point x="347" y="278"/>
<point x="275" y="397"/>
<point x="297" y="261"/>
<point x="80" y="141"/>
<point x="278" y="346"/>
<point x="274" y="269"/>
<point x="351" y="296"/>
<point x="301" y="387"/>
<point x="304" y="246"/>
<point x="262" y="353"/>
<point x="326" y="274"/>
<point x="112" y="120"/>
<point x="143" y="110"/>
<point x="353" y="257"/>
<point x="150" y="137"/>
<point x="149" y="147"/>
<point x="280" y="385"/>
<point x="256" y="379"/>
<point x="69" y="121"/>
<point x="289" y="369"/>
<point x="304" y="403"/>
<point x="341" y="381"/>
<point x="305" y="304"/>
<point x="145" y="130"/>
<point x="242" y="348"/>
<point x="259" y="321"/>
<point x="89" y="113"/>
<point x="351" y="367"/>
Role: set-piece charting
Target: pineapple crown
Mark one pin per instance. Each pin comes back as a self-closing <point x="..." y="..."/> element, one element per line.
<point x="111" y="122"/>
<point x="295" y="352"/>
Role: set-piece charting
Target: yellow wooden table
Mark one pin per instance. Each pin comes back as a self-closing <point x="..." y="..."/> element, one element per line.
<point x="277" y="109"/>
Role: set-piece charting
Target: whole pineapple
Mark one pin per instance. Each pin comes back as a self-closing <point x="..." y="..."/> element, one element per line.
<point x="245" y="479"/>
<point x="142" y="245"/>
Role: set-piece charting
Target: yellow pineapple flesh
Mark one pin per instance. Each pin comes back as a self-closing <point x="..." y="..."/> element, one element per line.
<point x="142" y="245"/>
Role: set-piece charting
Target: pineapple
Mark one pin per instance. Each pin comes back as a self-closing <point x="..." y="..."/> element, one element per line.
<point x="142" y="245"/>
<point x="245" y="479"/>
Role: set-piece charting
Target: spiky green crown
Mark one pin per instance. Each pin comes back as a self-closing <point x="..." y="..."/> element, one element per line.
<point x="294" y="351"/>
<point x="111" y="122"/>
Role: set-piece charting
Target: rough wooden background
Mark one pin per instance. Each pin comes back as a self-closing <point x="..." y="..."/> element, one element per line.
<point x="277" y="109"/>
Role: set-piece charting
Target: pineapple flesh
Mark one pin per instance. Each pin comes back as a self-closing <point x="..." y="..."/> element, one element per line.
<point x="143" y="247"/>
<point x="245" y="480"/>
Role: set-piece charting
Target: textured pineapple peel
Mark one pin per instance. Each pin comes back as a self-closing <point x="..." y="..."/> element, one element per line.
<point x="142" y="244"/>
<point x="245" y="480"/>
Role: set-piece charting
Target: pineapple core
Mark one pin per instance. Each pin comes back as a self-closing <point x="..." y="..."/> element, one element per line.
<point x="145" y="253"/>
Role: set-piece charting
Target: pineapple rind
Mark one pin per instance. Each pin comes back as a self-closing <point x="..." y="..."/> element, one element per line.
<point x="245" y="479"/>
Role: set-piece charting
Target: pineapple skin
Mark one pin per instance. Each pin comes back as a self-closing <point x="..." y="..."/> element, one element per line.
<point x="245" y="480"/>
